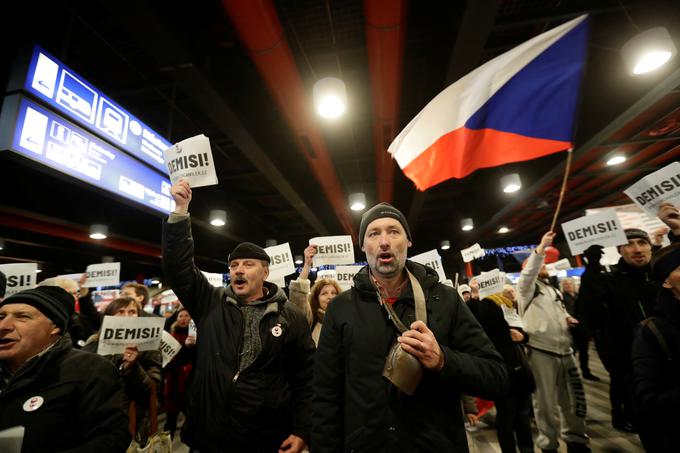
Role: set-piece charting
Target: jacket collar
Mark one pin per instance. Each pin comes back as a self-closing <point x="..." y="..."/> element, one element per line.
<point x="273" y="299"/>
<point x="625" y="268"/>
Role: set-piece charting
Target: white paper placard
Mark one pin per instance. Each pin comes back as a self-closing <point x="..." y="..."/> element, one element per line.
<point x="602" y="229"/>
<point x="333" y="250"/>
<point x="655" y="188"/>
<point x="214" y="279"/>
<point x="118" y="332"/>
<point x="345" y="275"/>
<point x="433" y="260"/>
<point x="103" y="274"/>
<point x="169" y="347"/>
<point x="20" y="276"/>
<point x="193" y="332"/>
<point x="278" y="281"/>
<point x="191" y="160"/>
<point x="490" y="283"/>
<point x="329" y="274"/>
<point x="281" y="262"/>
<point x="512" y="317"/>
<point x="472" y="253"/>
<point x="74" y="277"/>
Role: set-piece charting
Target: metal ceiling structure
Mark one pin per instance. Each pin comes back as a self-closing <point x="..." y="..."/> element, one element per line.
<point x="242" y="72"/>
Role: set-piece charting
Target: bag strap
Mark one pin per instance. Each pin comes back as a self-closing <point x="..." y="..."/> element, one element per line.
<point x="418" y="297"/>
<point x="153" y="414"/>
<point x="649" y="323"/>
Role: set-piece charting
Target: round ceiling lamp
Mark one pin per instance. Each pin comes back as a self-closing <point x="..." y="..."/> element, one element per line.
<point x="511" y="183"/>
<point x="648" y="51"/>
<point x="298" y="259"/>
<point x="218" y="217"/>
<point x="503" y="230"/>
<point x="615" y="159"/>
<point x="330" y="97"/>
<point x="467" y="224"/>
<point x="445" y="245"/>
<point x="99" y="231"/>
<point x="357" y="201"/>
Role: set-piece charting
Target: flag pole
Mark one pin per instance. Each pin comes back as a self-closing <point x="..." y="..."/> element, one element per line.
<point x="563" y="189"/>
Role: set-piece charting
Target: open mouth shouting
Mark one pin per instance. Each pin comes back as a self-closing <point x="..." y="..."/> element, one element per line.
<point x="385" y="258"/>
<point x="6" y="343"/>
<point x="239" y="284"/>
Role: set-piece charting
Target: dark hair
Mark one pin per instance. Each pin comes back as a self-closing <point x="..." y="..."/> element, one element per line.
<point x="314" y="296"/>
<point x="3" y="284"/>
<point x="140" y="290"/>
<point x="663" y="264"/>
<point x="121" y="302"/>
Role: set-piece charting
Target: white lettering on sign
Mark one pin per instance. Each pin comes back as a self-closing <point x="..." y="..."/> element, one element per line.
<point x="472" y="253"/>
<point x="655" y="188"/>
<point x="103" y="274"/>
<point x="118" y="332"/>
<point x="20" y="276"/>
<point x="333" y="250"/>
<point x="191" y="160"/>
<point x="602" y="229"/>
<point x="432" y="260"/>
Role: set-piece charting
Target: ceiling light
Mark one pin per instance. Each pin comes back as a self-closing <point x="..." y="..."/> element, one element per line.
<point x="298" y="259"/>
<point x="107" y="259"/>
<point x="445" y="245"/>
<point x="503" y="230"/>
<point x="467" y="224"/>
<point x="616" y="159"/>
<point x="155" y="282"/>
<point x="270" y="243"/>
<point x="2" y="244"/>
<point x="511" y="183"/>
<point x="99" y="231"/>
<point x="37" y="271"/>
<point x="357" y="201"/>
<point x="648" y="50"/>
<point x="218" y="217"/>
<point x="330" y="97"/>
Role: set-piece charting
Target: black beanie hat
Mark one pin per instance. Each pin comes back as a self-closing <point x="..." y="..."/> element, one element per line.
<point x="636" y="233"/>
<point x="378" y="212"/>
<point x="52" y="301"/>
<point x="248" y="250"/>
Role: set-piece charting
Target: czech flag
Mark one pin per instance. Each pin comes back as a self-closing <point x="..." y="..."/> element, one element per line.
<point x="518" y="106"/>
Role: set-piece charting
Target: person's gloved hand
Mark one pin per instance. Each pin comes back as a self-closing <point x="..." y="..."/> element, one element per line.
<point x="593" y="255"/>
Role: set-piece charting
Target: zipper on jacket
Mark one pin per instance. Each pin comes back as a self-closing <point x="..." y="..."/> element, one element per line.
<point x="240" y="346"/>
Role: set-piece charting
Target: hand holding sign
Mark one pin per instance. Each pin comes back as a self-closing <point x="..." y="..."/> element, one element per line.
<point x="670" y="215"/>
<point x="130" y="356"/>
<point x="181" y="193"/>
<point x="191" y="159"/>
<point x="546" y="241"/>
<point x="309" y="253"/>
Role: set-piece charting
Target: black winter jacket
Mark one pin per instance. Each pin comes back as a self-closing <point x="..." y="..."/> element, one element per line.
<point x="81" y="407"/>
<point x="657" y="379"/>
<point x="358" y="410"/>
<point x="272" y="397"/>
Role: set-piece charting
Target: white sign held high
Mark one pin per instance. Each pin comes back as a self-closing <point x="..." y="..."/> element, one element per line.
<point x="214" y="279"/>
<point x="655" y="188"/>
<point x="490" y="283"/>
<point x="169" y="347"/>
<point x="345" y="275"/>
<point x="191" y="160"/>
<point x="433" y="260"/>
<point x="328" y="274"/>
<point x="103" y="274"/>
<point x="118" y="332"/>
<point x="20" y="276"/>
<point x="472" y="253"/>
<point x="333" y="250"/>
<point x="598" y="229"/>
<point x="281" y="262"/>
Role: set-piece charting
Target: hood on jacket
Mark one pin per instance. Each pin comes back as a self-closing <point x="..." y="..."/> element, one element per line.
<point x="275" y="294"/>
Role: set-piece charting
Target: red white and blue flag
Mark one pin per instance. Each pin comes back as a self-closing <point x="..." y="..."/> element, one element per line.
<point x="519" y="106"/>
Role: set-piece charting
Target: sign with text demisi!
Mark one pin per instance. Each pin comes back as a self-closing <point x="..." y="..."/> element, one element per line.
<point x="598" y="229"/>
<point x="169" y="347"/>
<point x="345" y="275"/>
<point x="20" y="276"/>
<point x="104" y="274"/>
<point x="215" y="279"/>
<point x="328" y="274"/>
<point x="333" y="250"/>
<point x="192" y="160"/>
<point x="655" y="188"/>
<point x="118" y="332"/>
<point x="281" y="262"/>
<point x="490" y="283"/>
<point x="472" y="253"/>
<point x="432" y="260"/>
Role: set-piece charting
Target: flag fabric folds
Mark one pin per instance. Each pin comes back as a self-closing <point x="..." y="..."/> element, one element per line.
<point x="519" y="106"/>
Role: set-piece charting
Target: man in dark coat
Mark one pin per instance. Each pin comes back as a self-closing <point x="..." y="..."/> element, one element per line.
<point x="251" y="388"/>
<point x="355" y="407"/>
<point x="67" y="400"/>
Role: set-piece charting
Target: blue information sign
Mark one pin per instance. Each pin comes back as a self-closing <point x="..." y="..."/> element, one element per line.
<point x="46" y="137"/>
<point x="66" y="91"/>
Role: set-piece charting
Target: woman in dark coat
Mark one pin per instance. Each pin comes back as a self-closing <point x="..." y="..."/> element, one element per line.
<point x="656" y="359"/>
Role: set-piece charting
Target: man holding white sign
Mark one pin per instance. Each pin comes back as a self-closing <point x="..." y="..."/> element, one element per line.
<point x="251" y="387"/>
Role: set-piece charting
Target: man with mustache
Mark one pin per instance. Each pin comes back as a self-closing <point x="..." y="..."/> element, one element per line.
<point x="251" y="388"/>
<point x="360" y="402"/>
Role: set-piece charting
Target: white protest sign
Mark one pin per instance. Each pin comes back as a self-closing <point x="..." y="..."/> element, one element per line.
<point x="433" y="260"/>
<point x="281" y="262"/>
<point x="333" y="250"/>
<point x="345" y="275"/>
<point x="193" y="332"/>
<point x="103" y="274"/>
<point x="74" y="277"/>
<point x="329" y="274"/>
<point x="562" y="265"/>
<point x="655" y="188"/>
<point x="512" y="317"/>
<point x="118" y="332"/>
<point x="602" y="229"/>
<point x="20" y="276"/>
<point x="169" y="347"/>
<point x="490" y="283"/>
<point x="471" y="253"/>
<point x="192" y="160"/>
<point x="278" y="281"/>
<point x="214" y="279"/>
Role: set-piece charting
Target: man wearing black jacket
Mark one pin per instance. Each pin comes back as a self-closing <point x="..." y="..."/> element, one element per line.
<point x="355" y="407"/>
<point x="251" y="389"/>
<point x="66" y="399"/>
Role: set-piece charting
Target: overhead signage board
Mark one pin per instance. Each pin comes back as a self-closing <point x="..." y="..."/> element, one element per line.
<point x="67" y="92"/>
<point x="45" y="137"/>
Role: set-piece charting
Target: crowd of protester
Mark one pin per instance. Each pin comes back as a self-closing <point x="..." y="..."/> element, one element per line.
<point x="399" y="362"/>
